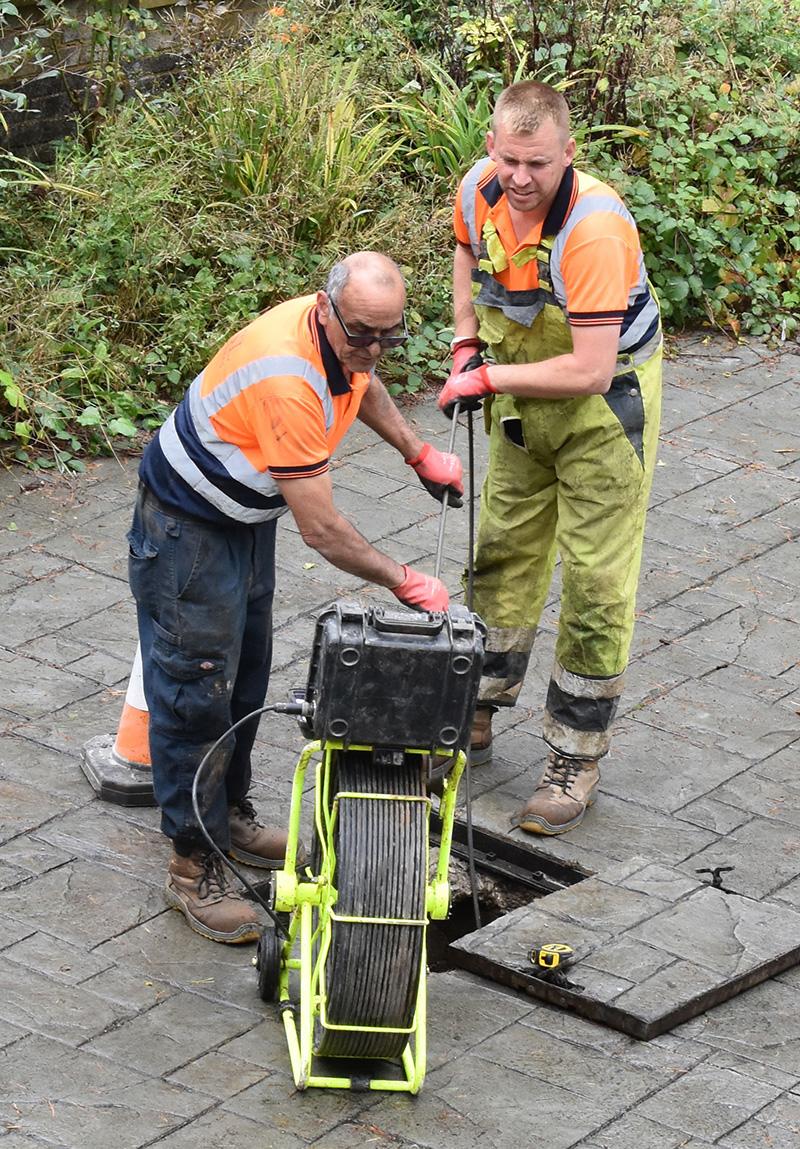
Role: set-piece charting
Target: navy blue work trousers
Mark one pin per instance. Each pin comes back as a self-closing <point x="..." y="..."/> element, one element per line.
<point x="204" y="607"/>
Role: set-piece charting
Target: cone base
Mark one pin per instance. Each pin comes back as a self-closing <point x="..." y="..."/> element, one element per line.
<point x="112" y="780"/>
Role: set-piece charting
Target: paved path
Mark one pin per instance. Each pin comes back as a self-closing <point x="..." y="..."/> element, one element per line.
<point x="119" y="1026"/>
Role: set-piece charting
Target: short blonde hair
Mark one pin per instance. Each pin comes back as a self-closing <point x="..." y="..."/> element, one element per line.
<point x="522" y="108"/>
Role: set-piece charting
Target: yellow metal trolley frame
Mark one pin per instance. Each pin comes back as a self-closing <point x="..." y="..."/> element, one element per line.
<point x="304" y="953"/>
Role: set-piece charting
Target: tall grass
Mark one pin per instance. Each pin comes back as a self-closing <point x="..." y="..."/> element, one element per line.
<point x="125" y="266"/>
<point x="191" y="214"/>
<point x="292" y="129"/>
<point x="444" y="123"/>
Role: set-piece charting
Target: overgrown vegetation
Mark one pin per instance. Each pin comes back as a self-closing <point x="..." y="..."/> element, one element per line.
<point x="88" y="50"/>
<point x="714" y="183"/>
<point x="346" y="125"/>
<point x="19" y="50"/>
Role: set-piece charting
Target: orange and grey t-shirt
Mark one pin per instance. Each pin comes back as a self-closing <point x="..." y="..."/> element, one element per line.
<point x="585" y="256"/>
<point x="272" y="404"/>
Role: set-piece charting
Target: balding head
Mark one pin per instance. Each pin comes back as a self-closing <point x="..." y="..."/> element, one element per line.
<point x="367" y="271"/>
<point x="364" y="294"/>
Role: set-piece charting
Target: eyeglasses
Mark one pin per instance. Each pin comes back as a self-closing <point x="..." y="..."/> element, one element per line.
<point x="366" y="339"/>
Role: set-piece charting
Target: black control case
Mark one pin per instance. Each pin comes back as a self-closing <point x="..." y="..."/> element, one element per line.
<point x="393" y="677"/>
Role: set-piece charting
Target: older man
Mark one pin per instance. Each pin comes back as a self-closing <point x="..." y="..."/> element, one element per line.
<point x="251" y="439"/>
<point x="549" y="276"/>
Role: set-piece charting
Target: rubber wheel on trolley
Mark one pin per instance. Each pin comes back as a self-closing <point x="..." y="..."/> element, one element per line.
<point x="372" y="970"/>
<point x="268" y="964"/>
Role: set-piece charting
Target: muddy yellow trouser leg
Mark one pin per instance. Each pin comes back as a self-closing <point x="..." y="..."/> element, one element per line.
<point x="567" y="477"/>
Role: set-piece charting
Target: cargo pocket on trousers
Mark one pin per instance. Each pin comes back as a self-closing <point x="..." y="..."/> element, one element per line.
<point x="199" y="685"/>
<point x="624" y="397"/>
<point x="178" y="663"/>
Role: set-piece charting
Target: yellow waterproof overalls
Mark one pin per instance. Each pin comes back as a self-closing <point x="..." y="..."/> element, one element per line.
<point x="567" y="477"/>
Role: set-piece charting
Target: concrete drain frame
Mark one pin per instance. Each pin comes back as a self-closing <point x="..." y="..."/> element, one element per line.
<point x="654" y="946"/>
<point x="505" y="881"/>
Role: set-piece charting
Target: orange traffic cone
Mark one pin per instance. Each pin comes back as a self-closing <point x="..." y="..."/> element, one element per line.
<point x="132" y="745"/>
<point x="119" y="768"/>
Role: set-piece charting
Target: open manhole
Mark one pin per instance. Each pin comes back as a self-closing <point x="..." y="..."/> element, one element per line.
<point x="649" y="946"/>
<point x="507" y="877"/>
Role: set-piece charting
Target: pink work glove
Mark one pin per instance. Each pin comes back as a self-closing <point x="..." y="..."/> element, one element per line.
<point x="467" y="389"/>
<point x="466" y="356"/>
<point x="421" y="591"/>
<point x="439" y="473"/>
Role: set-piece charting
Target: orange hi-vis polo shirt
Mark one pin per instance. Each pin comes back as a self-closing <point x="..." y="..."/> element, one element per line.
<point x="588" y="248"/>
<point x="272" y="404"/>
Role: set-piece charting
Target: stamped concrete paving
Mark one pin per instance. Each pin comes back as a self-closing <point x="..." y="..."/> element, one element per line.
<point x="653" y="947"/>
<point x="118" y="1025"/>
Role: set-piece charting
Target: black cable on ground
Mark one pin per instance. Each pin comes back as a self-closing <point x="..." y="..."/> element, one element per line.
<point x="280" y="708"/>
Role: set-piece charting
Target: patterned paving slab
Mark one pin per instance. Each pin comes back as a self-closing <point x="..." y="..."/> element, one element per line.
<point x="653" y="946"/>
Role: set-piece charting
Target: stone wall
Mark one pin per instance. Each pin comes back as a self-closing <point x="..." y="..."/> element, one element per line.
<point x="52" y="102"/>
<point x="50" y="113"/>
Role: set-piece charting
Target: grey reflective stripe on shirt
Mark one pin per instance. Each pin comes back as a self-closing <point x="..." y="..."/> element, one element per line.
<point x="253" y="373"/>
<point x="469" y="192"/>
<point x="648" y="316"/>
<point x="647" y="320"/>
<point x="228" y="455"/>
<point x="175" y="454"/>
<point x="585" y="207"/>
<point x="590" y="202"/>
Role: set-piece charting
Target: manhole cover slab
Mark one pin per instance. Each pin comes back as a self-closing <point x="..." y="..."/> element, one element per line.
<point x="653" y="947"/>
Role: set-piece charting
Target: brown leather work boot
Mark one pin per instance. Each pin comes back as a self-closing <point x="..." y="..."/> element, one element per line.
<point x="480" y="742"/>
<point x="560" y="800"/>
<point x="254" y="843"/>
<point x="198" y="887"/>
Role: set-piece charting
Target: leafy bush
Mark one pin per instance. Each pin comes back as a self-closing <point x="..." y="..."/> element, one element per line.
<point x="690" y="110"/>
<point x="346" y="126"/>
<point x="713" y="184"/>
<point x="717" y="211"/>
<point x="191" y="214"/>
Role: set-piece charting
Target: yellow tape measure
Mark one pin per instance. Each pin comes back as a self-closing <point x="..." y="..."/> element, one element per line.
<point x="552" y="955"/>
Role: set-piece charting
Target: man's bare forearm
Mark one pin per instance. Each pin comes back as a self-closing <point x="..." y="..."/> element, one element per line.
<point x="340" y="543"/>
<point x="333" y="536"/>
<point x="586" y="370"/>
<point x="465" y="321"/>
<point x="379" y="411"/>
